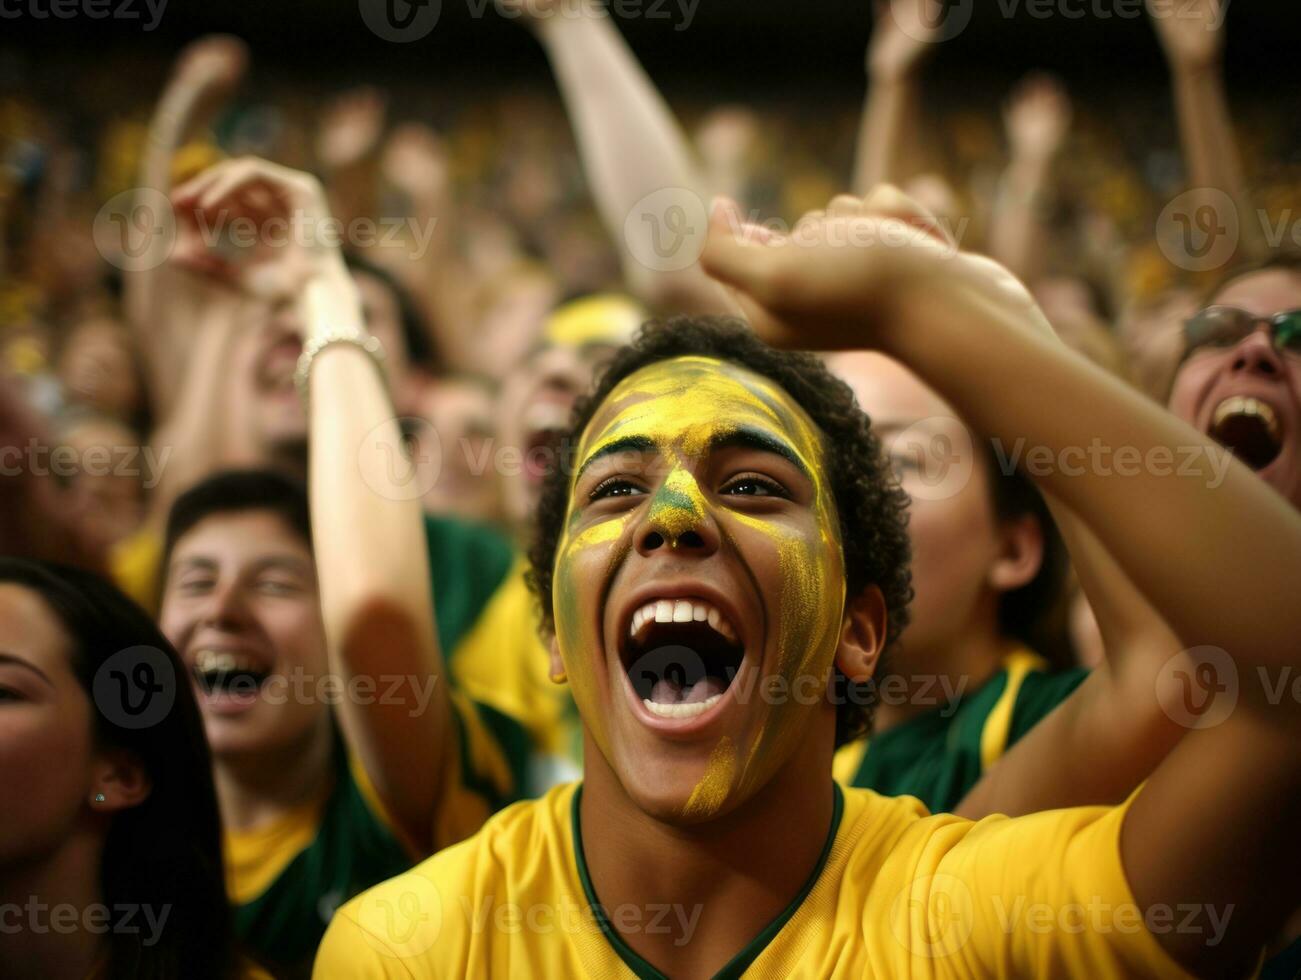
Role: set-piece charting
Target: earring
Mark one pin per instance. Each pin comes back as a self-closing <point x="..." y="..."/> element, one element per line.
<point x="100" y="797"/>
<point x="559" y="678"/>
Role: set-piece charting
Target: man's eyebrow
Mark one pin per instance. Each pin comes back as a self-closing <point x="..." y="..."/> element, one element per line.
<point x="9" y="658"/>
<point x="291" y="562"/>
<point x="196" y="561"/>
<point x="627" y="444"/>
<point x="750" y="438"/>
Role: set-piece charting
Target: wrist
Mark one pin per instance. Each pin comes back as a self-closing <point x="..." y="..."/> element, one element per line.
<point x="329" y="302"/>
<point x="1196" y="69"/>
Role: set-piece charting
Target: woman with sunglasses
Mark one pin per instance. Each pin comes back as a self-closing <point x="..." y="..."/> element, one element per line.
<point x="110" y="848"/>
<point x="1240" y="377"/>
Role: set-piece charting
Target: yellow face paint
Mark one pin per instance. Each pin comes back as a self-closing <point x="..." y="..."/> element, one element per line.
<point x="678" y="411"/>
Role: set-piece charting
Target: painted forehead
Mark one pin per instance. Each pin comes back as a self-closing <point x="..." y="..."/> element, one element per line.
<point x="687" y="403"/>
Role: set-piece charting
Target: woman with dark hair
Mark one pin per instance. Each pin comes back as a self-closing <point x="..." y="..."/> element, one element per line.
<point x="110" y="848"/>
<point x="981" y="661"/>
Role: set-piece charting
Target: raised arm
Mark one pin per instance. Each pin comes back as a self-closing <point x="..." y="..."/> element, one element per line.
<point x="631" y="148"/>
<point x="369" y="534"/>
<point x="1207" y="542"/>
<point x="205" y="71"/>
<point x="904" y="35"/>
<point x="1192" y="36"/>
<point x="1037" y="118"/>
<point x="1111" y="733"/>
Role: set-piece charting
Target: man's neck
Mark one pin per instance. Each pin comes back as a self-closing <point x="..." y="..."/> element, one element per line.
<point x="44" y="944"/>
<point x="711" y="888"/>
<point x="253" y="788"/>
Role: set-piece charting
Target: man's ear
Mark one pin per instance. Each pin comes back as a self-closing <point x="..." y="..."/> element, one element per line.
<point x="118" y="781"/>
<point x="1021" y="554"/>
<point x="557" y="662"/>
<point x="862" y="635"/>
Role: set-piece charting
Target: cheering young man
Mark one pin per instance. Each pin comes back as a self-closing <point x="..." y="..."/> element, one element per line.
<point x="726" y="558"/>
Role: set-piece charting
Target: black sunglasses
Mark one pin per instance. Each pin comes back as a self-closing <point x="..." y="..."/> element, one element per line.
<point x="1226" y="326"/>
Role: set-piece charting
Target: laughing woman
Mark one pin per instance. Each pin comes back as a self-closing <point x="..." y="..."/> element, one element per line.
<point x="341" y="756"/>
<point x="110" y="850"/>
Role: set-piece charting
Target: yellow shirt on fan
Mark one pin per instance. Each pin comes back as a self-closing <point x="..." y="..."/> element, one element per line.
<point x="897" y="892"/>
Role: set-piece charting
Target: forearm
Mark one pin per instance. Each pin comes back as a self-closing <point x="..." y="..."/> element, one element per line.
<point x="193" y="433"/>
<point x="1017" y="236"/>
<point x="372" y="564"/>
<point x="1010" y="380"/>
<point x="883" y="131"/>
<point x="1210" y="147"/>
<point x="631" y="147"/>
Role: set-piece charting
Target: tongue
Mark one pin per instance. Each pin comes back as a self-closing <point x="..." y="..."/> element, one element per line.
<point x="667" y="691"/>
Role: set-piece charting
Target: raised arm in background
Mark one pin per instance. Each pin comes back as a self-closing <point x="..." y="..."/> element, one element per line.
<point x="904" y="34"/>
<point x="368" y="533"/>
<point x="631" y="147"/>
<point x="1192" y="36"/>
<point x="1214" y="823"/>
<point x="205" y="72"/>
<point x="1037" y="118"/>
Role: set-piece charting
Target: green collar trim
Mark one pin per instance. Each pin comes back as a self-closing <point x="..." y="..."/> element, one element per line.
<point x="739" y="963"/>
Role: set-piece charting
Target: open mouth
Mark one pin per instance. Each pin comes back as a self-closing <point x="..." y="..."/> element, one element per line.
<point x="681" y="656"/>
<point x="223" y="673"/>
<point x="545" y="428"/>
<point x="1249" y="429"/>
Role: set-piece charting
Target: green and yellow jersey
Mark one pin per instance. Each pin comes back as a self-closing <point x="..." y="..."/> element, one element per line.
<point x="503" y="664"/>
<point x="896" y="892"/>
<point x="286" y="878"/>
<point x="940" y="755"/>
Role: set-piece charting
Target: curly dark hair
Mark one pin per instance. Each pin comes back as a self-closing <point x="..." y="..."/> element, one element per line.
<point x="872" y="507"/>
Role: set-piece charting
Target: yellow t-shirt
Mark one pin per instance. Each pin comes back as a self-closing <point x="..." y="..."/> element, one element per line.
<point x="899" y="893"/>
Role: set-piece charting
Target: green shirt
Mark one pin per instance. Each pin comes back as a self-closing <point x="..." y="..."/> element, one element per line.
<point x="939" y="756"/>
<point x="286" y="880"/>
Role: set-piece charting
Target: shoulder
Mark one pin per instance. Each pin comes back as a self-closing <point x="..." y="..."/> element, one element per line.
<point x="422" y="923"/>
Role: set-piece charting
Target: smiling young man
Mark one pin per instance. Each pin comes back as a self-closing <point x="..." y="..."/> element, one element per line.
<point x="716" y="478"/>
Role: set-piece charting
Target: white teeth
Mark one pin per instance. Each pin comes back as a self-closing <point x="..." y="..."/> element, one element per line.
<point x="683" y="709"/>
<point x="1239" y="405"/>
<point x="681" y="611"/>
<point x="206" y="661"/>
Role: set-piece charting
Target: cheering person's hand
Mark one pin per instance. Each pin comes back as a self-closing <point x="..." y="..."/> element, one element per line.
<point x="257" y="226"/>
<point x="855" y="274"/>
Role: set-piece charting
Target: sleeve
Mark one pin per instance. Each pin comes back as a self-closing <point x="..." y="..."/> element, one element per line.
<point x="1042" y="895"/>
